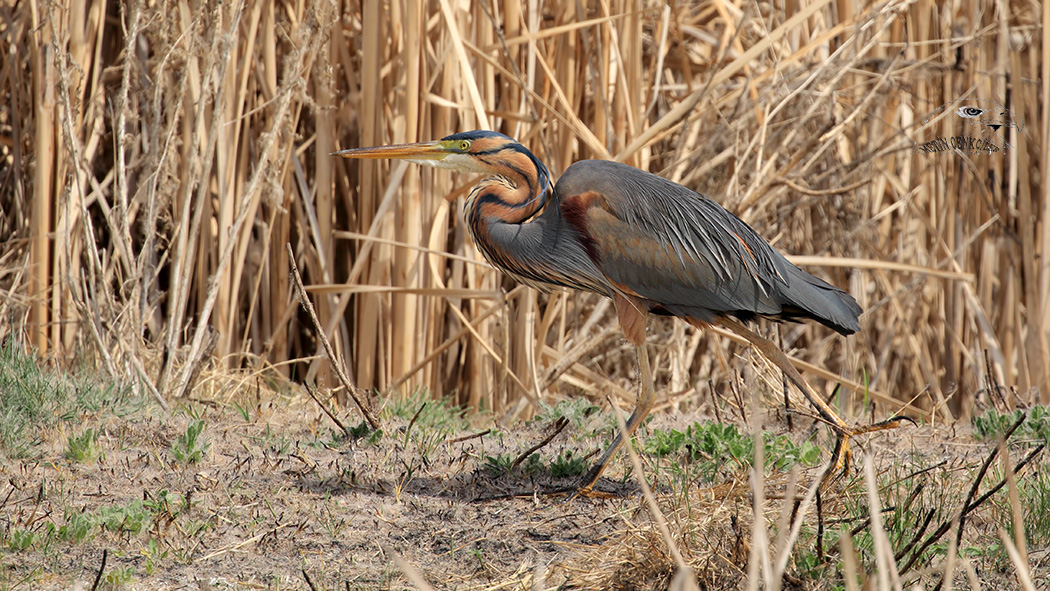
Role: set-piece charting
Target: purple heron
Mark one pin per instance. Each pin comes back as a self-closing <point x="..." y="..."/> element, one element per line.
<point x="651" y="245"/>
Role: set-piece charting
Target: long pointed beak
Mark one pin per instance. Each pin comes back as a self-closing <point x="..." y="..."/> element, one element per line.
<point x="420" y="152"/>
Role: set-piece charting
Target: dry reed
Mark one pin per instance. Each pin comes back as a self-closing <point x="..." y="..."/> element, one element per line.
<point x="158" y="156"/>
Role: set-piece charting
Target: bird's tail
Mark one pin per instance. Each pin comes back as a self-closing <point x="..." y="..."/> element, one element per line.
<point x="812" y="298"/>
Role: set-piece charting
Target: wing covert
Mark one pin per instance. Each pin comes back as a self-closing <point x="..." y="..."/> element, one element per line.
<point x="658" y="240"/>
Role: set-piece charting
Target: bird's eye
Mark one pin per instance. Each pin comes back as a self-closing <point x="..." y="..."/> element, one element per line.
<point x="464" y="145"/>
<point x="969" y="112"/>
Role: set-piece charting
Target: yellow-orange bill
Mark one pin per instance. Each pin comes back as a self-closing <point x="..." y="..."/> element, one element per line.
<point x="419" y="151"/>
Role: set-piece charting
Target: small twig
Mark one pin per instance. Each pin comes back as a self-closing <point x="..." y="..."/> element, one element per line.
<point x="413" y="421"/>
<point x="980" y="476"/>
<point x="309" y="583"/>
<point x="101" y="568"/>
<point x="194" y="374"/>
<point x="821" y="192"/>
<point x="468" y="437"/>
<point x="820" y="528"/>
<point x="411" y="573"/>
<point x="324" y="407"/>
<point x="304" y="301"/>
<point x="867" y="520"/>
<point x="575" y="354"/>
<point x="994" y="389"/>
<point x="1017" y="469"/>
<point x="647" y="493"/>
<point x="739" y="399"/>
<point x="915" y="538"/>
<point x="559" y="425"/>
<point x="273" y="531"/>
<point x="966" y="510"/>
<point x="714" y="399"/>
<point x="923" y="471"/>
<point x="915" y="492"/>
<point x="784" y="386"/>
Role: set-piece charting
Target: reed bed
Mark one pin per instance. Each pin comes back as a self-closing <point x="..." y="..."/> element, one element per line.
<point x="158" y="155"/>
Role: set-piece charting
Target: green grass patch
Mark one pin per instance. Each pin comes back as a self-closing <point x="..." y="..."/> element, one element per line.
<point x="576" y="410"/>
<point x="425" y="412"/>
<point x="568" y="463"/>
<point x="992" y="425"/>
<point x="190" y="447"/>
<point x="430" y="422"/>
<point x="132" y="518"/>
<point x="1033" y="491"/>
<point x="914" y="504"/>
<point x="499" y="464"/>
<point x="34" y="396"/>
<point x="565" y="464"/>
<point x="84" y="448"/>
<point x="713" y="446"/>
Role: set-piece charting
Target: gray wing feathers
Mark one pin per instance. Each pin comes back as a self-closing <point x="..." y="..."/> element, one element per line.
<point x="688" y="255"/>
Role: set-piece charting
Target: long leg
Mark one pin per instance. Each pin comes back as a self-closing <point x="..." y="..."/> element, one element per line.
<point x="773" y="353"/>
<point x="840" y="456"/>
<point x="646" y="398"/>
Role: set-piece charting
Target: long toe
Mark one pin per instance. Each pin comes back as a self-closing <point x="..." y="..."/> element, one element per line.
<point x="890" y="423"/>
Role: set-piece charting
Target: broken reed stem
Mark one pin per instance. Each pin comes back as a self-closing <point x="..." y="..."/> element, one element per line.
<point x="647" y="491"/>
<point x="980" y="474"/>
<point x="555" y="429"/>
<point x="304" y="301"/>
<point x="101" y="569"/>
<point x="969" y="505"/>
<point x="324" y="408"/>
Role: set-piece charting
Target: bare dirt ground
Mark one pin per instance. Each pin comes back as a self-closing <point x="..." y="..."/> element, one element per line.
<point x="278" y="502"/>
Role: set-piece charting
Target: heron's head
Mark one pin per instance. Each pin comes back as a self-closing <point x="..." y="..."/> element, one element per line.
<point x="469" y="151"/>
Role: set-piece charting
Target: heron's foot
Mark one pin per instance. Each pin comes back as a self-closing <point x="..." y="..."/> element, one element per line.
<point x="586" y="486"/>
<point x="841" y="456"/>
<point x="590" y="493"/>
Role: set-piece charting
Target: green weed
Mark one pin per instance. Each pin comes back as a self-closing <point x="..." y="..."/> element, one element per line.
<point x="166" y="503"/>
<point x="132" y="518"/>
<point x="78" y="527"/>
<point x="360" y="431"/>
<point x="190" y="447"/>
<point x="20" y="539"/>
<point x="117" y="578"/>
<point x="712" y="446"/>
<point x="83" y="448"/>
<point x="153" y="554"/>
<point x="568" y="464"/>
<point x="244" y="410"/>
<point x="500" y="464"/>
<point x="993" y="424"/>
<point x="576" y="410"/>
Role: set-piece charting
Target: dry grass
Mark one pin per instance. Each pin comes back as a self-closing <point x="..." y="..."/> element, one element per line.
<point x="164" y="250"/>
<point x="266" y="492"/>
<point x="158" y="157"/>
